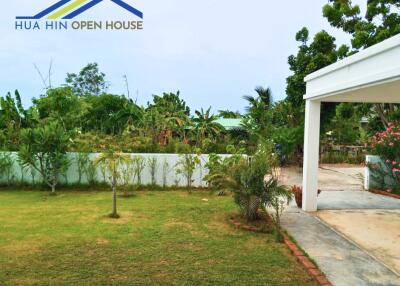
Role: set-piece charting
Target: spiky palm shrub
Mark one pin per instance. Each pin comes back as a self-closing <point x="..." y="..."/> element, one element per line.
<point x="253" y="182"/>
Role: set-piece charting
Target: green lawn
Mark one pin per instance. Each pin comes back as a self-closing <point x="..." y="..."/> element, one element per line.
<point x="162" y="238"/>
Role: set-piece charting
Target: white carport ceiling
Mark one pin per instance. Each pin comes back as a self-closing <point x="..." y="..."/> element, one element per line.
<point x="372" y="75"/>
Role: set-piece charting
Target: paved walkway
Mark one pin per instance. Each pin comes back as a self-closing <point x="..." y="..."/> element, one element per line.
<point x="354" y="237"/>
<point x="355" y="200"/>
<point x="344" y="263"/>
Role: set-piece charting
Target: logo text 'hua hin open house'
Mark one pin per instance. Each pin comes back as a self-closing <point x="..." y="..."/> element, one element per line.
<point x="60" y="16"/>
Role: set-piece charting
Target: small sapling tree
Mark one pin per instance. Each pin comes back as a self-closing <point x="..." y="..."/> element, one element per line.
<point x="165" y="172"/>
<point x="153" y="168"/>
<point x="82" y="160"/>
<point x="186" y="166"/>
<point x="113" y="161"/>
<point x="138" y="164"/>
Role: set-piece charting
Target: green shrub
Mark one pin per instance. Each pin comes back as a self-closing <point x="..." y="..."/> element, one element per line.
<point x="6" y="167"/>
<point x="336" y="157"/>
<point x="186" y="166"/>
<point x="45" y="150"/>
<point x="252" y="180"/>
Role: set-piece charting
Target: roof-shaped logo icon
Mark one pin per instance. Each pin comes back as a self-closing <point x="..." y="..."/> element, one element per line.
<point x="69" y="9"/>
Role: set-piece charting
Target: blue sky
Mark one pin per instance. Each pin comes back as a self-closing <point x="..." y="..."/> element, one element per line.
<point x="214" y="52"/>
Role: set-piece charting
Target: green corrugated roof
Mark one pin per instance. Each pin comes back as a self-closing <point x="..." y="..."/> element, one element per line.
<point x="230" y="123"/>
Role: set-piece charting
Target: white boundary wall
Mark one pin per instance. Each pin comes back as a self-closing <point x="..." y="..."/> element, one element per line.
<point x="71" y="176"/>
<point x="369" y="181"/>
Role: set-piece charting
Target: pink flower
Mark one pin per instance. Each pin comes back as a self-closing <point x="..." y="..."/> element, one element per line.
<point x="391" y="144"/>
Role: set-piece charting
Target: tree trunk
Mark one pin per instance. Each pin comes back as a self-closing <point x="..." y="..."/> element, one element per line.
<point x="53" y="188"/>
<point x="381" y="112"/>
<point x="114" y="189"/>
<point x="79" y="175"/>
<point x="252" y="205"/>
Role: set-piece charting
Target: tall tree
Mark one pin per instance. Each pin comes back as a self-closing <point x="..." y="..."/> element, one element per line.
<point x="172" y="112"/>
<point x="60" y="104"/>
<point x="110" y="114"/>
<point x="311" y="57"/>
<point x="257" y="119"/>
<point x="321" y="52"/>
<point x="170" y="103"/>
<point x="380" y="22"/>
<point x="89" y="81"/>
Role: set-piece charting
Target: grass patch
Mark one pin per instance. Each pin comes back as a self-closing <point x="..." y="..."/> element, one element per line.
<point x="161" y="238"/>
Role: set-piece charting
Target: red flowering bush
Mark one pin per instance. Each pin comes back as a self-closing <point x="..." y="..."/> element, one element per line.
<point x="387" y="143"/>
<point x="387" y="146"/>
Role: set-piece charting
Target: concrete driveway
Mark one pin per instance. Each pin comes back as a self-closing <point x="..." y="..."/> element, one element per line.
<point x="352" y="228"/>
<point x="376" y="231"/>
<point x="335" y="177"/>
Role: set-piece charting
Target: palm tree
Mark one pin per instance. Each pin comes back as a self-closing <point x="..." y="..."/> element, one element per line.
<point x="257" y="118"/>
<point x="261" y="103"/>
<point x="205" y="125"/>
<point x="113" y="161"/>
<point x="229" y="114"/>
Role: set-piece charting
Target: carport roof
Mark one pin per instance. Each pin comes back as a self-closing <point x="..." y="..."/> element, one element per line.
<point x="371" y="75"/>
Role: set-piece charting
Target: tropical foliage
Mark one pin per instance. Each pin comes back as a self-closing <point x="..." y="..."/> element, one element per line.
<point x="253" y="181"/>
<point x="44" y="149"/>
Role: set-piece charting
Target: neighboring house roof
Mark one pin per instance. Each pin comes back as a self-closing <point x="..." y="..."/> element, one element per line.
<point x="230" y="123"/>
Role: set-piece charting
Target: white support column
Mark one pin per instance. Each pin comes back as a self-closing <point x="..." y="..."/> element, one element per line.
<point x="311" y="155"/>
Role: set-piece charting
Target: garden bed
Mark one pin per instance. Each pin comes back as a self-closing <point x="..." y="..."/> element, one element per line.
<point x="263" y="225"/>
